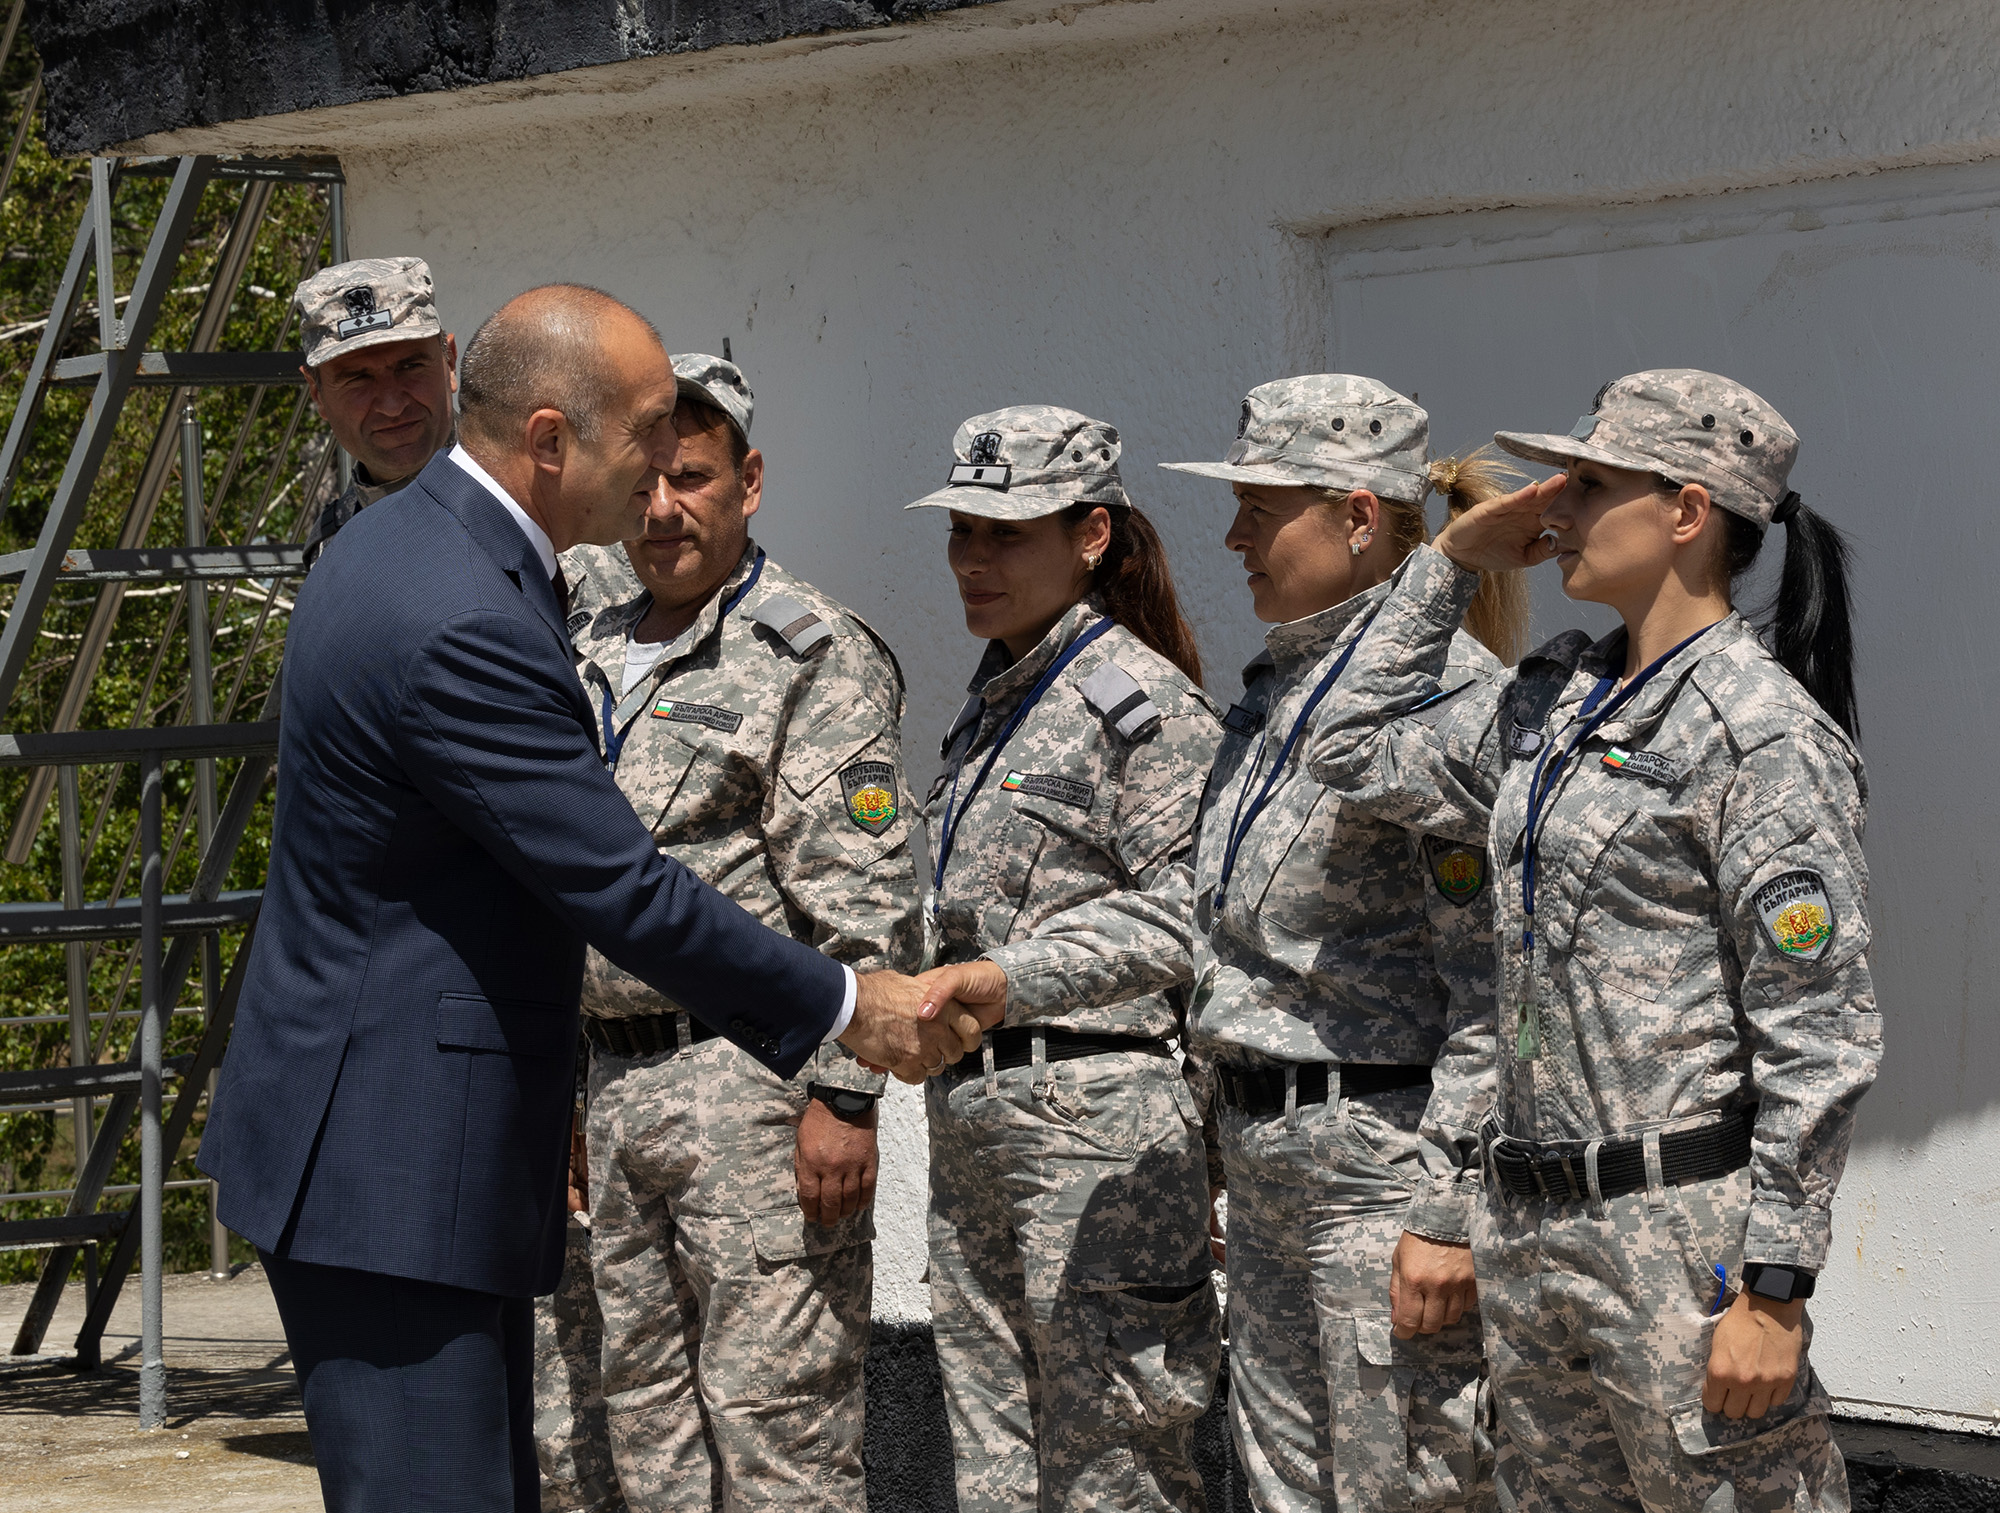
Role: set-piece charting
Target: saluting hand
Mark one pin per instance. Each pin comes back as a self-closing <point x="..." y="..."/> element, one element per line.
<point x="1503" y="534"/>
<point x="1430" y="1286"/>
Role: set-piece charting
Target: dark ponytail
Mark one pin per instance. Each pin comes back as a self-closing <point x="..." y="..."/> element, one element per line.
<point x="1810" y="622"/>
<point x="1137" y="586"/>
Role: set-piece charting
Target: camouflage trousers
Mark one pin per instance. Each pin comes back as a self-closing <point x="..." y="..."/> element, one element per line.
<point x="1327" y="1408"/>
<point x="571" y="1440"/>
<point x="1076" y="1322"/>
<point x="1598" y="1321"/>
<point x="734" y="1332"/>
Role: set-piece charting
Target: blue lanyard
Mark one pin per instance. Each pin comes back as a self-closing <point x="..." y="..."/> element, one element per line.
<point x="614" y="738"/>
<point x="1541" y="788"/>
<point x="1239" y="821"/>
<point x="954" y="811"/>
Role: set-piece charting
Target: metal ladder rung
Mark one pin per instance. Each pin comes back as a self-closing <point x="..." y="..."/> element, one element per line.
<point x="87" y="748"/>
<point x="78" y="1081"/>
<point x="308" y="170"/>
<point x="52" y="924"/>
<point x="172" y="564"/>
<point x="82" y="1229"/>
<point x="189" y="369"/>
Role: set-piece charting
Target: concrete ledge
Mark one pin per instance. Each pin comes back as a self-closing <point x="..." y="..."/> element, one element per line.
<point x="114" y="70"/>
<point x="1892" y="1469"/>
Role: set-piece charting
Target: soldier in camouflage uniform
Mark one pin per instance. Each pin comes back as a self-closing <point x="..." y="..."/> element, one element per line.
<point x="754" y="724"/>
<point x="381" y="370"/>
<point x="1687" y="1014"/>
<point x="1076" y="1322"/>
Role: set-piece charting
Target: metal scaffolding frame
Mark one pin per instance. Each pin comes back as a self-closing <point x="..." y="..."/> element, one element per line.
<point x="171" y="931"/>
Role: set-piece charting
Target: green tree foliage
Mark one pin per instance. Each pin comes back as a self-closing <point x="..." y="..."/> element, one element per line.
<point x="266" y="465"/>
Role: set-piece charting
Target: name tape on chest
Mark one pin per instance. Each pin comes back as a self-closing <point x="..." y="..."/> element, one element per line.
<point x="800" y="628"/>
<point x="1048" y="785"/>
<point x="1459" y="871"/>
<point x="714" y="716"/>
<point x="1649" y="765"/>
<point x="1796" y="914"/>
<point x="1116" y="694"/>
<point x="869" y="790"/>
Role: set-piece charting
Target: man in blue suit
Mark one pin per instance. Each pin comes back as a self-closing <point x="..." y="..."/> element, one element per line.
<point x="391" y="1129"/>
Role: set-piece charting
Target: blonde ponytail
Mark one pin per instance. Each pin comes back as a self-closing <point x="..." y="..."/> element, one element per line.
<point x="1499" y="613"/>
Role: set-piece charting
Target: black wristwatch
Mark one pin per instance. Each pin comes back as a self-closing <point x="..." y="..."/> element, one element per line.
<point x="845" y="1102"/>
<point x="1781" y="1284"/>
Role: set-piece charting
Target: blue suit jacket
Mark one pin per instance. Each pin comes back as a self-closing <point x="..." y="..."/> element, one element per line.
<point x="398" y="1088"/>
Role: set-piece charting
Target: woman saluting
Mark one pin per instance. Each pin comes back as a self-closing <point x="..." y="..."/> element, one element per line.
<point x="1686" y="1015"/>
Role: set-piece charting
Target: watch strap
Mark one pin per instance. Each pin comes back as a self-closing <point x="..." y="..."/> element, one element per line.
<point x="847" y="1103"/>
<point x="1781" y="1284"/>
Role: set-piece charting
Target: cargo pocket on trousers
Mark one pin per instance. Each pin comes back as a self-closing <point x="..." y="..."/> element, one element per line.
<point x="783" y="1234"/>
<point x="1159" y="1347"/>
<point x="1435" y="1388"/>
<point x="1793" y="1442"/>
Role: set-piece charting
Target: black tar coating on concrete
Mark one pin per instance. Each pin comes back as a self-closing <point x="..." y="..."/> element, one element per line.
<point x="908" y="1447"/>
<point x="118" y="69"/>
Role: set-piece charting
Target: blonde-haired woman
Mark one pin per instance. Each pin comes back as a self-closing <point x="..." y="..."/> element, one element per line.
<point x="1340" y="958"/>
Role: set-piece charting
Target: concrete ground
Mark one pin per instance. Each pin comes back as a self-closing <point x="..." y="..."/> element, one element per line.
<point x="235" y="1438"/>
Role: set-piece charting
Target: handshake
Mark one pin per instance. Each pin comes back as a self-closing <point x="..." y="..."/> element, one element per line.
<point x="915" y="1027"/>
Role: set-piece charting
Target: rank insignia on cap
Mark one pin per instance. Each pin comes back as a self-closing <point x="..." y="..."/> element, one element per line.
<point x="870" y="791"/>
<point x="1796" y="914"/>
<point x="363" y="315"/>
<point x="1459" y="871"/>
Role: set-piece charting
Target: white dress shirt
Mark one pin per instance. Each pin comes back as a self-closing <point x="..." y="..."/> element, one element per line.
<point x="545" y="549"/>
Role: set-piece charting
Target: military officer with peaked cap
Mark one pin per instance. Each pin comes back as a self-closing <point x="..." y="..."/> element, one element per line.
<point x="381" y="370"/>
<point x="754" y="723"/>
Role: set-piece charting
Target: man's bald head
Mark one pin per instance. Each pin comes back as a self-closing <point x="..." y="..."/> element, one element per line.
<point x="545" y="350"/>
<point x="567" y="401"/>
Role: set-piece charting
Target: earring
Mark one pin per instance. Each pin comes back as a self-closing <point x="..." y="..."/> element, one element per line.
<point x="1092" y="560"/>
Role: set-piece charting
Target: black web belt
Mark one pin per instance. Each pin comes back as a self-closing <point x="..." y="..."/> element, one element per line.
<point x="1015" y="1047"/>
<point x="1560" y="1171"/>
<point x="646" y="1035"/>
<point x="1260" y="1090"/>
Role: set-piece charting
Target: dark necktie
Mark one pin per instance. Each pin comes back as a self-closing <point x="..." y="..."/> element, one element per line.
<point x="561" y="585"/>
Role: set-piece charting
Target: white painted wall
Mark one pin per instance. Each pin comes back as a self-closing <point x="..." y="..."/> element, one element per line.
<point x="1124" y="207"/>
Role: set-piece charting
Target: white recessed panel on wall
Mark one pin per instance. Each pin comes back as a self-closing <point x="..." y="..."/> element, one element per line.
<point x="1868" y="311"/>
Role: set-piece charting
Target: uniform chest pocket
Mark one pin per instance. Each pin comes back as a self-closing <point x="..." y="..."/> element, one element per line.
<point x="1625" y="899"/>
<point x="1289" y="843"/>
<point x="1061" y="854"/>
<point x="689" y="777"/>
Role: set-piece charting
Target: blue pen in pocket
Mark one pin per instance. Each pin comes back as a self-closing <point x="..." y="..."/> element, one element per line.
<point x="1721" y="1291"/>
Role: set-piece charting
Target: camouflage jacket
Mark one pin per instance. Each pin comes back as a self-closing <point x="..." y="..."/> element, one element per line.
<point x="1094" y="797"/>
<point x="764" y="751"/>
<point x="336" y="510"/>
<point x="1701" y="926"/>
<point x="1342" y="936"/>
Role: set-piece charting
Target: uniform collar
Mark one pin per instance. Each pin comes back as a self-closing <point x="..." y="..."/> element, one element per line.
<point x="1310" y="639"/>
<point x="998" y="683"/>
<point x="1606" y="658"/>
<point x="602" y="645"/>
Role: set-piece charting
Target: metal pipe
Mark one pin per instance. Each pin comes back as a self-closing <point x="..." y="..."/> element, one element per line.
<point x="152" y="1153"/>
<point x="201" y="692"/>
<point x="78" y="970"/>
<point x="29" y="101"/>
<point x="343" y="465"/>
<point x="110" y="329"/>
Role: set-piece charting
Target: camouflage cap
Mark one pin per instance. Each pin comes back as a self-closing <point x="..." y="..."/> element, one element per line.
<point x="1029" y="461"/>
<point x="715" y="381"/>
<point x="1691" y="426"/>
<point x="365" y="303"/>
<point x="1327" y="431"/>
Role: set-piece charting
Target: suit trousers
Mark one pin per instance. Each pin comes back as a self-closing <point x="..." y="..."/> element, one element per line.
<point x="418" y="1396"/>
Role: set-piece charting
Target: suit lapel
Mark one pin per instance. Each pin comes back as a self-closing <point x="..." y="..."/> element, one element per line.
<point x="496" y="534"/>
